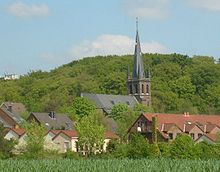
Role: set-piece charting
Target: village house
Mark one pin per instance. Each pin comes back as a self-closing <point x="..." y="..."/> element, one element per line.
<point x="13" y="107"/>
<point x="67" y="140"/>
<point x="52" y="120"/>
<point x="60" y="140"/>
<point x="169" y="126"/>
<point x="9" y="119"/>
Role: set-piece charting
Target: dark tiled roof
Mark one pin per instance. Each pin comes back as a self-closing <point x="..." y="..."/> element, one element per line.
<point x="106" y="102"/>
<point x="60" y="121"/>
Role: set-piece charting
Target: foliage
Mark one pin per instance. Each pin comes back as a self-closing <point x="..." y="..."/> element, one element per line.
<point x="82" y="107"/>
<point x="175" y="79"/>
<point x="182" y="147"/>
<point x="6" y="146"/>
<point x="138" y="147"/>
<point x="35" y="140"/>
<point x="91" y="133"/>
<point x="118" y="111"/>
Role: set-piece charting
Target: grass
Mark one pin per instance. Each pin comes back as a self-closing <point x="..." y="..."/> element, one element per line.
<point x="124" y="165"/>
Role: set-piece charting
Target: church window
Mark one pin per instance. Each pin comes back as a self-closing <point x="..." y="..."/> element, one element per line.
<point x="130" y="89"/>
<point x="147" y="89"/>
<point x="136" y="88"/>
<point x="142" y="88"/>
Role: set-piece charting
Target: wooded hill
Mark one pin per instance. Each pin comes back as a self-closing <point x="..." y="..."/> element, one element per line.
<point x="179" y="83"/>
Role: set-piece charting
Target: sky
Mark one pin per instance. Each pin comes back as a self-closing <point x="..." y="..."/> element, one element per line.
<point x="45" y="34"/>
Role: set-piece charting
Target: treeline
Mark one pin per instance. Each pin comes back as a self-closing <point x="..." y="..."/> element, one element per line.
<point x="179" y="83"/>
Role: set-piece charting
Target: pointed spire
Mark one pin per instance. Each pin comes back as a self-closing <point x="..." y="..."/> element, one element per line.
<point x="138" y="67"/>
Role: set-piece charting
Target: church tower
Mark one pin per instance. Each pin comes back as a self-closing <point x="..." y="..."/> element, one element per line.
<point x="139" y="84"/>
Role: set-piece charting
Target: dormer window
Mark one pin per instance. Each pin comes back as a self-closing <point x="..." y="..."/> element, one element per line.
<point x="52" y="115"/>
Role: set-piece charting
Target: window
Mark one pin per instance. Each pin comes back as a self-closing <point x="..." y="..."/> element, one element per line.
<point x="66" y="146"/>
<point x="199" y="135"/>
<point x="112" y="102"/>
<point x="136" y="88"/>
<point x="142" y="88"/>
<point x="130" y="87"/>
<point x="192" y="135"/>
<point x="128" y="103"/>
<point x="147" y="89"/>
<point x="171" y="136"/>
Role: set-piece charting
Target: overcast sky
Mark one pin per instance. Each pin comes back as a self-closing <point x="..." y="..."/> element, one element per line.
<point x="44" y="34"/>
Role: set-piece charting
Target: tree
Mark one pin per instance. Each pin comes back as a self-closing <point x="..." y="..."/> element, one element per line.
<point x="80" y="107"/>
<point x="182" y="147"/>
<point x="91" y="133"/>
<point x="35" y="140"/>
<point x="138" y="147"/>
<point x="118" y="111"/>
<point x="141" y="108"/>
<point x="6" y="146"/>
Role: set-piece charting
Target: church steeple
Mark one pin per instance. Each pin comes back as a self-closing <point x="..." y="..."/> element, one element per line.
<point x="139" y="86"/>
<point x="138" y="66"/>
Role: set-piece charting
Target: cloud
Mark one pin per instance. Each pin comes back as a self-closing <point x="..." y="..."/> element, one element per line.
<point x="148" y="9"/>
<point x="113" y="45"/>
<point x="19" y="9"/>
<point x="212" y="5"/>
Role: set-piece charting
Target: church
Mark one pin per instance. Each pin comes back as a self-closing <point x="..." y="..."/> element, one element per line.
<point x="138" y="86"/>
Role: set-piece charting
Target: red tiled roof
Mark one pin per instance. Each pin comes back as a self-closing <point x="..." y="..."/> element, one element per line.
<point x="213" y="137"/>
<point x="180" y="119"/>
<point x="19" y="131"/>
<point x="70" y="133"/>
<point x="110" y="135"/>
<point x="166" y="127"/>
<point x="55" y="132"/>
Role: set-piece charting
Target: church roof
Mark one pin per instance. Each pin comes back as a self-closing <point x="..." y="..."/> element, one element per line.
<point x="138" y="66"/>
<point x="106" y="102"/>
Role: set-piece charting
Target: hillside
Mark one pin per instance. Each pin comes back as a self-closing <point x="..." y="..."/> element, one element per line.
<point x="179" y="83"/>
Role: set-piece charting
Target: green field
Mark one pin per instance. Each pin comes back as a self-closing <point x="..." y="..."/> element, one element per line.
<point x="157" y="165"/>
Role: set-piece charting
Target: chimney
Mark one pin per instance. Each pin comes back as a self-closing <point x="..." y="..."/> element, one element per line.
<point x="205" y="128"/>
<point x="162" y="128"/>
<point x="10" y="108"/>
<point x="184" y="127"/>
<point x="186" y="114"/>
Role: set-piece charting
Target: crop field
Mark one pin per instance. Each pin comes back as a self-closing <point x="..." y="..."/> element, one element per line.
<point x="126" y="165"/>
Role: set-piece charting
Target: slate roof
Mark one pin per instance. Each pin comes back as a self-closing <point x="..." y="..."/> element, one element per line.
<point x="60" y="120"/>
<point x="106" y="102"/>
<point x="138" y="66"/>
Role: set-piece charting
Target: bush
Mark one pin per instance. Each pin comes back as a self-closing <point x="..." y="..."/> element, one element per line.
<point x="182" y="147"/>
<point x="71" y="155"/>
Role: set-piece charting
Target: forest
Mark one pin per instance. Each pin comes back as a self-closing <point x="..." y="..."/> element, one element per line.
<point x="179" y="83"/>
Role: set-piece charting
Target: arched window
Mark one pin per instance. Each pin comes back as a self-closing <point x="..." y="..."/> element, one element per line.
<point x="130" y="89"/>
<point x="147" y="89"/>
<point x="136" y="88"/>
<point x="142" y="88"/>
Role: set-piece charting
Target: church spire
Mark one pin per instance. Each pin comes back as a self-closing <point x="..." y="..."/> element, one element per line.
<point x="138" y="67"/>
